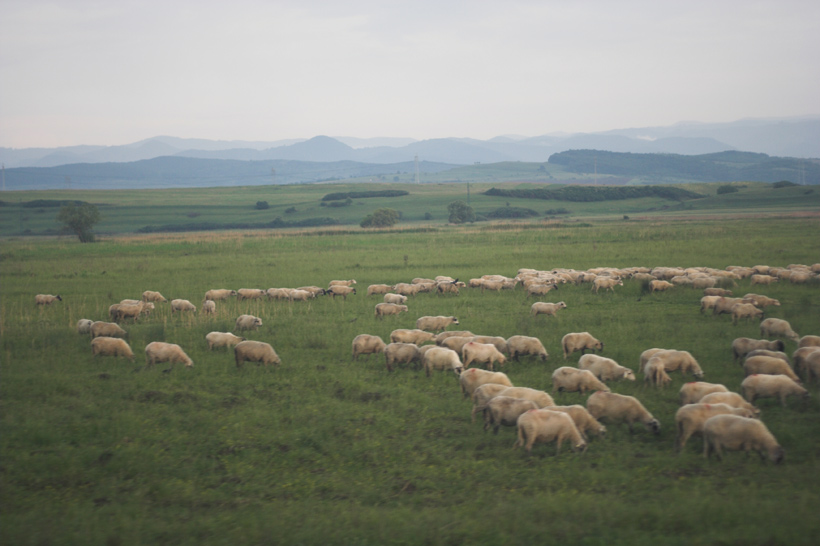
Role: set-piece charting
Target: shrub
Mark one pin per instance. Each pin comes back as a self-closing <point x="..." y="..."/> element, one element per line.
<point x="79" y="219"/>
<point x="381" y="218"/>
<point x="262" y="205"/>
<point x="726" y="188"/>
<point x="460" y="212"/>
<point x="783" y="184"/>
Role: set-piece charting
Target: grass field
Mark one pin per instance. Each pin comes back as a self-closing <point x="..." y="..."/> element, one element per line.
<point x="324" y="450"/>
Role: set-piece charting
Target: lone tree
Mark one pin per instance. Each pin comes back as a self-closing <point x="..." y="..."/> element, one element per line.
<point x="460" y="212"/>
<point x="381" y="218"/>
<point x="79" y="219"/>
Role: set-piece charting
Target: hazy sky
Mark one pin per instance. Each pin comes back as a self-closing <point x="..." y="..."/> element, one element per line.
<point x="114" y="72"/>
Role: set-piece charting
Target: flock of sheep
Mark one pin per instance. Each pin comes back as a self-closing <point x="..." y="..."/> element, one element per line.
<point x="726" y="420"/>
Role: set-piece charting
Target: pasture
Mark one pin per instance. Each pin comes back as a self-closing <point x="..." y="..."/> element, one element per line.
<point x="325" y="450"/>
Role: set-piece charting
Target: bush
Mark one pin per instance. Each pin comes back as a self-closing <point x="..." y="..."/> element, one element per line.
<point x="290" y="210"/>
<point x="79" y="219"/>
<point x="262" y="205"/>
<point x="511" y="212"/>
<point x="381" y="218"/>
<point x="460" y="212"/>
<point x="726" y="188"/>
<point x="783" y="184"/>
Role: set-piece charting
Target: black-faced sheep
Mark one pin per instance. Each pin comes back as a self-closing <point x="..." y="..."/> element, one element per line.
<point x="771" y="386"/>
<point x="111" y="346"/>
<point x="255" y="351"/>
<point x="435" y="324"/>
<point x="525" y="345"/>
<point x="580" y="341"/>
<point x="736" y="433"/>
<point x="471" y="379"/>
<point x="690" y="418"/>
<point x="604" y="368"/>
<point x="222" y="339"/>
<point x="773" y="327"/>
<point x="46" y="299"/>
<point x="546" y="426"/>
<point x="570" y="379"/>
<point x="620" y="408"/>
<point x="247" y="322"/>
<point x="481" y="353"/>
<point x="159" y="351"/>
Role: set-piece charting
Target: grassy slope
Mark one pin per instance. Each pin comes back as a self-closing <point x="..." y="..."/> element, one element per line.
<point x="324" y="450"/>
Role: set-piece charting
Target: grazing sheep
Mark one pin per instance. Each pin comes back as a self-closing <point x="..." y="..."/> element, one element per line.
<point x="743" y="345"/>
<point x="526" y="345"/>
<point x="541" y="398"/>
<point x="645" y="356"/>
<point x="731" y="398"/>
<point x="221" y="339"/>
<point x="278" y="293"/>
<point x="499" y="342"/>
<point x="482" y="395"/>
<point x="111" y="346"/>
<point x="582" y="419"/>
<point x="400" y="353"/>
<point x="761" y="301"/>
<point x="771" y="386"/>
<point x="471" y="379"/>
<point x="395" y="298"/>
<point x="776" y="354"/>
<point x="435" y="324"/>
<point x="150" y="295"/>
<point x="655" y="373"/>
<point x="439" y="338"/>
<point x="182" y="305"/>
<point x="447" y="287"/>
<point x="46" y="299"/>
<point x="709" y="302"/>
<point x="545" y="426"/>
<point x="441" y="358"/>
<point x="540" y="289"/>
<point x="106" y="329"/>
<point x="456" y="343"/>
<point x="208" y="307"/>
<point x="84" y="326"/>
<point x="407" y="289"/>
<point x="619" y="408"/>
<point x="366" y="344"/>
<point x="301" y="295"/>
<point x="660" y="286"/>
<point x="812" y="364"/>
<point x="808" y="341"/>
<point x="692" y="392"/>
<point x="349" y="282"/>
<point x="607" y="283"/>
<point x="124" y="311"/>
<point x="250" y="294"/>
<point x="717" y="292"/>
<point x="414" y="336"/>
<point x="801" y="277"/>
<point x="571" y="379"/>
<point x="159" y="351"/>
<point x="385" y="309"/>
<point x="481" y="353"/>
<point x="219" y="294"/>
<point x="704" y="282"/>
<point x="247" y="322"/>
<point x="377" y="289"/>
<point x="762" y="279"/>
<point x="768" y="365"/>
<point x="724" y="305"/>
<point x="689" y="419"/>
<point x="580" y="341"/>
<point x="315" y="290"/>
<point x="604" y="368"/>
<point x="255" y="351"/>
<point x="546" y="308"/>
<point x="772" y="327"/>
<point x="801" y="361"/>
<point x="745" y="311"/>
<point x="505" y="410"/>
<point x="341" y="290"/>
<point x="422" y="280"/>
<point x="679" y="360"/>
<point x="737" y="433"/>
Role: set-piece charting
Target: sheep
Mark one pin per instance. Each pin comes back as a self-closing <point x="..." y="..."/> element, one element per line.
<point x="278" y="293"/>
<point x="427" y="287"/>
<point x="540" y="289"/>
<point x="546" y="308"/>
<point x="571" y="379"/>
<point x="645" y="356"/>
<point x="377" y="289"/>
<point x="159" y="351"/>
<point x="709" y="302"/>
<point x="704" y="282"/>
<point x="608" y="283"/>
<point x="738" y="433"/>
<point x="773" y="327"/>
<point x="526" y="345"/>
<point x="473" y="378"/>
<point x="768" y="365"/>
<point x="604" y="368"/>
<point x="150" y="295"/>
<point x="395" y="298"/>
<point x="505" y="410"/>
<point x="482" y="395"/>
<point x="440" y="337"/>
<point x="182" y="305"/>
<point x="655" y="373"/>
<point x="732" y="399"/>
<point x="414" y="336"/>
<point x="456" y="343"/>
<point x="314" y="290"/>
<point x="762" y="301"/>
<point x="406" y="289"/>
<point x="745" y="311"/>
<point x="762" y="279"/>
<point x="693" y="391"/>
<point x="219" y="294"/>
<point x="546" y="426"/>
<point x="255" y="351"/>
<point x="341" y="290"/>
<point x="447" y="287"/>
<point x="208" y="307"/>
<point x="481" y="353"/>
<point x="247" y="322"/>
<point x="717" y="292"/>
<point x="385" y="309"/>
<point x="365" y="344"/>
<point x="660" y="286"/>
<point x="497" y="341"/>
<point x="111" y="346"/>
<point x="743" y="345"/>
<point x="221" y="339"/>
<point x="250" y="294"/>
<point x="435" y="324"/>
<point x="349" y="282"/>
<point x="689" y="419"/>
<point x="801" y="277"/>
<point x="84" y="326"/>
<point x="301" y="295"/>
<point x="771" y="386"/>
<point x="106" y="329"/>
<point x="679" y="360"/>
<point x="441" y="358"/>
<point x="121" y="311"/>
<point x="812" y="364"/>
<point x="617" y="408"/>
<point x="580" y="341"/>
<point x="400" y="353"/>
<point x="582" y="419"/>
<point x="724" y="305"/>
<point x="422" y="280"/>
<point x="801" y="360"/>
<point x="46" y="299"/>
<point x="808" y="341"/>
<point x="541" y="398"/>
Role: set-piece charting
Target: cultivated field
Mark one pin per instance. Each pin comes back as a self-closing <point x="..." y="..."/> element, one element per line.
<point x="324" y="450"/>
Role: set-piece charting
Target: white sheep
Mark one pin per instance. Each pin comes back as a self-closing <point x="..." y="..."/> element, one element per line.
<point x="456" y="343"/>
<point x="255" y="351"/>
<point x="471" y="379"/>
<point x="111" y="346"/>
<point x="604" y="368"/>
<point x="247" y="322"/>
<point x="679" y="360"/>
<point x="395" y="298"/>
<point x="580" y="341"/>
<point x="762" y="301"/>
<point x="441" y="358"/>
<point x="745" y="311"/>
<point x="655" y="373"/>
<point x="301" y="295"/>
<point x="84" y="326"/>
<point x="481" y="353"/>
<point x="808" y="341"/>
<point x="219" y="294"/>
<point x="341" y="290"/>
<point x="447" y="287"/>
<point x="546" y="308"/>
<point x="400" y="353"/>
<point x="497" y="341"/>
<point x="349" y="282"/>
<point x="731" y="398"/>
<point x="546" y="426"/>
<point x="771" y="386"/>
<point x="222" y="339"/>
<point x="737" y="433"/>
<point x="482" y="395"/>
<point x="366" y="344"/>
<point x="250" y="294"/>
<point x="692" y="392"/>
<point x="743" y="345"/>
<point x="150" y="295"/>
<point x="660" y="286"/>
<point x="717" y="292"/>
<point x="106" y="329"/>
<point x="689" y="419"/>
<point x="406" y="289"/>
<point x="540" y="289"/>
<point x="130" y="310"/>
<point x="46" y="299"/>
<point x="570" y="379"/>
<point x="608" y="283"/>
<point x="435" y="324"/>
<point x="773" y="327"/>
<point x="768" y="365"/>
<point x="440" y="337"/>
<point x="377" y="289"/>
<point x="645" y="356"/>
<point x="278" y="293"/>
<point x="208" y="307"/>
<point x="159" y="351"/>
<point x="620" y="408"/>
<point x="582" y="419"/>
<point x="414" y="336"/>
<point x="812" y="364"/>
<point x="314" y="290"/>
<point x="709" y="302"/>
<point x="505" y="410"/>
<point x="386" y="309"/>
<point x="526" y="345"/>
<point x="762" y="279"/>
<point x="182" y="305"/>
<point x="801" y="361"/>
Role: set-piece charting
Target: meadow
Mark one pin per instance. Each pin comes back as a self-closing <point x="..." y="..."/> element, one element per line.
<point x="325" y="450"/>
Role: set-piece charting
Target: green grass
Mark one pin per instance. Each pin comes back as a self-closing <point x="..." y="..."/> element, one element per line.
<point x="328" y="451"/>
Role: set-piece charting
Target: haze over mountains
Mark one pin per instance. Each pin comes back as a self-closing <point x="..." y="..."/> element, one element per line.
<point x="786" y="137"/>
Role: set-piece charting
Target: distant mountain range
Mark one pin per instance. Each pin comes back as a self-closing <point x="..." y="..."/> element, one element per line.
<point x="785" y="137"/>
